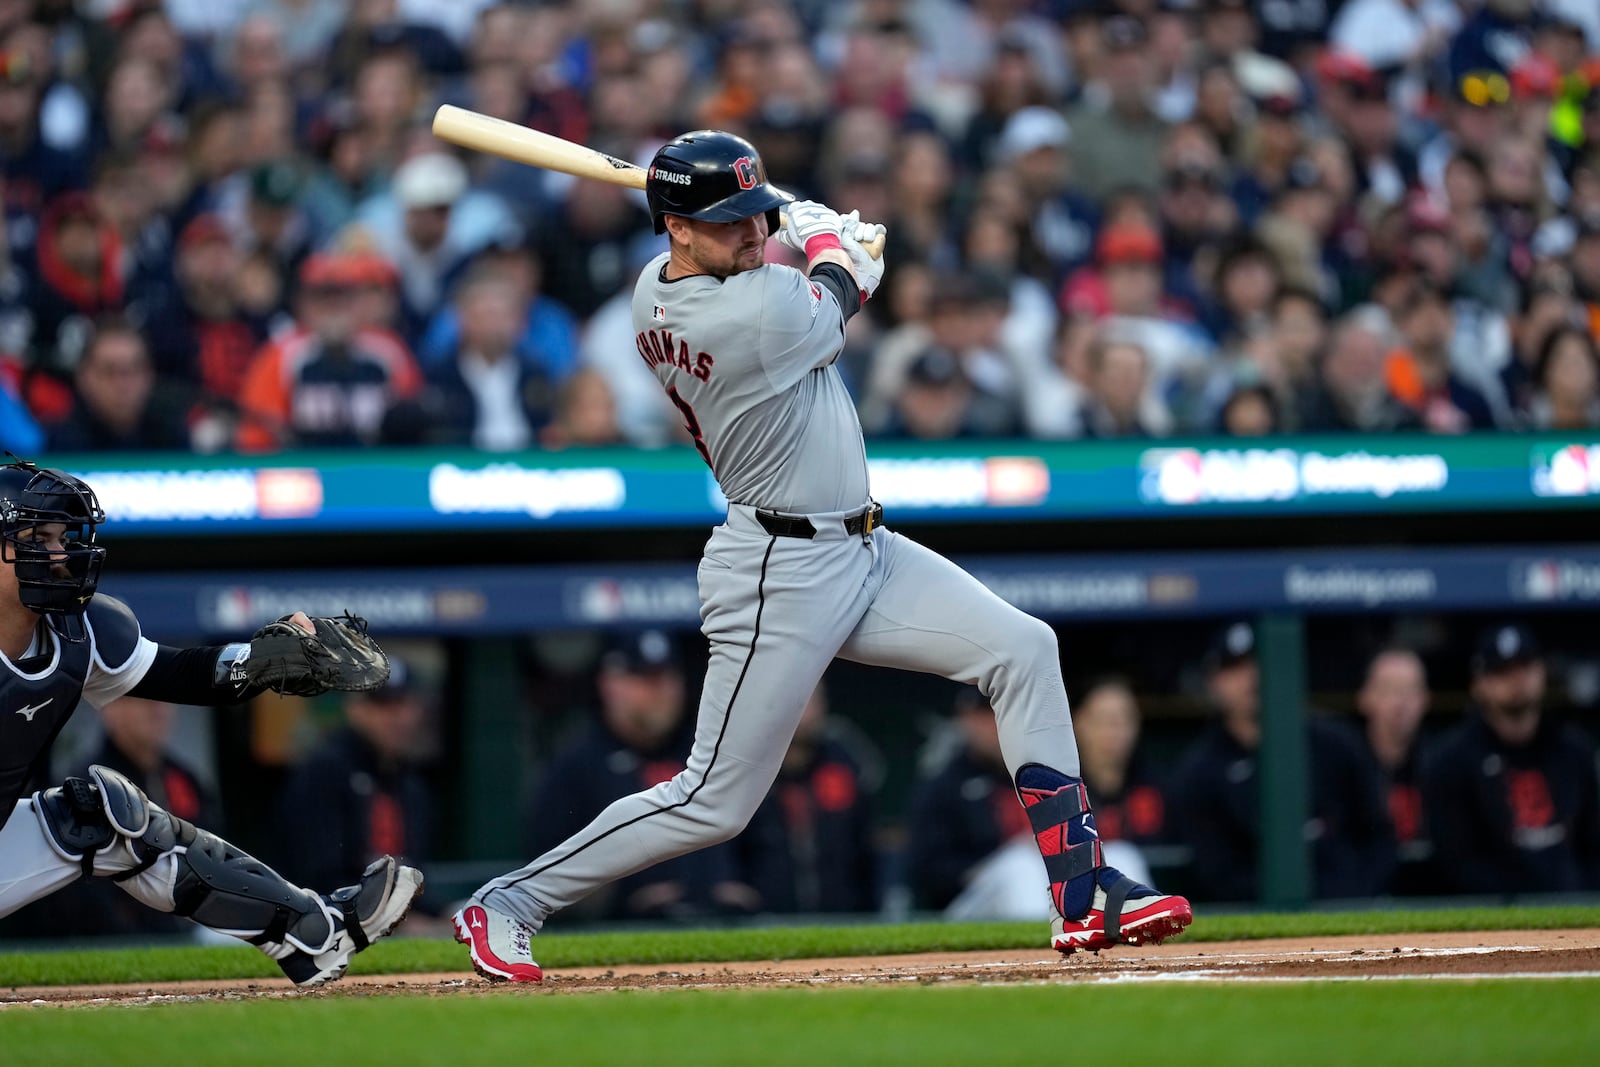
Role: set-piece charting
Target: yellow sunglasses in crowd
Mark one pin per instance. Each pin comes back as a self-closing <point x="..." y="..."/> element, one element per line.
<point x="1482" y="88"/>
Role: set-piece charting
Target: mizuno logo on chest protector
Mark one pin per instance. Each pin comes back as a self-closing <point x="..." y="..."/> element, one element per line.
<point x="33" y="709"/>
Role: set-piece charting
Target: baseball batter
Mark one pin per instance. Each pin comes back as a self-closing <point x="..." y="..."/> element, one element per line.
<point x="62" y="641"/>
<point x="802" y="570"/>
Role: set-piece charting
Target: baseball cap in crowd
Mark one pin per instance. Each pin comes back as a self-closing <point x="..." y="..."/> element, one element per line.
<point x="1355" y="74"/>
<point x="276" y="184"/>
<point x="202" y="229"/>
<point x="936" y="366"/>
<point x="1030" y="129"/>
<point x="431" y="180"/>
<point x="1270" y="83"/>
<point x="1128" y="242"/>
<point x="1234" y="643"/>
<point x="639" y="652"/>
<point x="1504" y="645"/>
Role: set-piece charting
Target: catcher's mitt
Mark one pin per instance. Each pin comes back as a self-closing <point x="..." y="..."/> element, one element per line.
<point x="338" y="655"/>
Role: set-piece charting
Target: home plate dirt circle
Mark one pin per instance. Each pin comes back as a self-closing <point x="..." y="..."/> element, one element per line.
<point x="1467" y="955"/>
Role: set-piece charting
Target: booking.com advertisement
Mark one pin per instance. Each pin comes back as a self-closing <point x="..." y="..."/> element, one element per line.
<point x="672" y="488"/>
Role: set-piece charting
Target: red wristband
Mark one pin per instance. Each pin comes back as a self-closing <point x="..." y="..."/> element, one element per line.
<point x="822" y="242"/>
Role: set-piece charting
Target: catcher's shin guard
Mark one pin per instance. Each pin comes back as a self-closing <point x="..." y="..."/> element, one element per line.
<point x="107" y="824"/>
<point x="1096" y="906"/>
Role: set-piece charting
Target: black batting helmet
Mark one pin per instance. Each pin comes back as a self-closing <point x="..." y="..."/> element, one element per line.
<point x="710" y="175"/>
<point x="57" y="581"/>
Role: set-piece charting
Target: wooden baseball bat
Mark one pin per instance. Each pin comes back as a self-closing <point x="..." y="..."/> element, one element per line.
<point x="481" y="133"/>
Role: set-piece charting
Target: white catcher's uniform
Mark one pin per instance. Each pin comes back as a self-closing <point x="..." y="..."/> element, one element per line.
<point x="748" y="360"/>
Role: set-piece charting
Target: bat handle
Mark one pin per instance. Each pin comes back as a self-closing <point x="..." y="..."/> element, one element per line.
<point x="874" y="247"/>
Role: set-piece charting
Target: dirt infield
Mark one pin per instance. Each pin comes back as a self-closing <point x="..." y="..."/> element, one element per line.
<point x="1530" y="954"/>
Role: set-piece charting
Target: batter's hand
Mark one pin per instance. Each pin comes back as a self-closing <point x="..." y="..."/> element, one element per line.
<point x="808" y="222"/>
<point x="856" y="234"/>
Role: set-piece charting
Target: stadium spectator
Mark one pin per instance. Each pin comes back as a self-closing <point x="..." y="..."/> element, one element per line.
<point x="118" y="403"/>
<point x="1119" y="401"/>
<point x="1546" y="304"/>
<point x="199" y="334"/>
<point x="1419" y="372"/>
<point x="1511" y="791"/>
<point x="80" y="277"/>
<point x="1216" y="789"/>
<point x="330" y="381"/>
<point x="585" y="415"/>
<point x="1114" y="114"/>
<point x="484" y="394"/>
<point x="639" y="737"/>
<point x="19" y="432"/>
<point x="1350" y="395"/>
<point x="1566" y="393"/>
<point x="549" y="340"/>
<point x="593" y="234"/>
<point x="428" y="226"/>
<point x="935" y="402"/>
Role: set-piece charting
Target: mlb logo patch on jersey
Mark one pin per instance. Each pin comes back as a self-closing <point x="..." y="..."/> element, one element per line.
<point x="816" y="297"/>
<point x="658" y="313"/>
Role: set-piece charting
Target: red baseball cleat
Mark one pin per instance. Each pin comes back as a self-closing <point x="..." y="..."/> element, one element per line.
<point x="501" y="947"/>
<point x="1144" y="921"/>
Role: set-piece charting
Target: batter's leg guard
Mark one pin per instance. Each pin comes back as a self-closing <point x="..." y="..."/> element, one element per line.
<point x="1096" y="906"/>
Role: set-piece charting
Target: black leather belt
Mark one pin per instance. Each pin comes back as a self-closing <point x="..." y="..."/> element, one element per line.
<point x="861" y="524"/>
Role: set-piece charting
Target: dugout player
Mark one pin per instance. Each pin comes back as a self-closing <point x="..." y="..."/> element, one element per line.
<point x="803" y="569"/>
<point x="60" y="642"/>
<point x="1511" y="791"/>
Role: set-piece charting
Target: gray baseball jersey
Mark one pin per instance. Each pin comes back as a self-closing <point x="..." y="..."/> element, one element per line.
<point x="749" y="362"/>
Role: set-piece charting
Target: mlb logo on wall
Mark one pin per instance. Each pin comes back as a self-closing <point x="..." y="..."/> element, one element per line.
<point x="1570" y="471"/>
<point x="658" y="313"/>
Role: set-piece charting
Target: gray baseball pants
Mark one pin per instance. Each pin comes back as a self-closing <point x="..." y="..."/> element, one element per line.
<point x="777" y="610"/>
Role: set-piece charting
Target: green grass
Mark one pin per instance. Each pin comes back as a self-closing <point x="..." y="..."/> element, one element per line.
<point x="791" y="942"/>
<point x="1307" y="1025"/>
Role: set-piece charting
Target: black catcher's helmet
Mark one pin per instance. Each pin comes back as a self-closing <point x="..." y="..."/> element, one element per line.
<point x="710" y="175"/>
<point x="59" y="582"/>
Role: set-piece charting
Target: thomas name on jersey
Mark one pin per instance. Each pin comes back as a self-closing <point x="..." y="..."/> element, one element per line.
<point x="657" y="347"/>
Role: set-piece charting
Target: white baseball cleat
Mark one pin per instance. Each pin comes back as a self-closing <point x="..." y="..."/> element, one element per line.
<point x="501" y="947"/>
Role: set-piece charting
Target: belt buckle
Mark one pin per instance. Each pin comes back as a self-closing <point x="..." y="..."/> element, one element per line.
<point x="870" y="520"/>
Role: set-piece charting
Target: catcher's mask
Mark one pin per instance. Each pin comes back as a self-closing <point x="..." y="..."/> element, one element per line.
<point x="56" y="571"/>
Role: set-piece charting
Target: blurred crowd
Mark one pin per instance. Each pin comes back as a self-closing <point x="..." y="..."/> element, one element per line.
<point x="227" y="225"/>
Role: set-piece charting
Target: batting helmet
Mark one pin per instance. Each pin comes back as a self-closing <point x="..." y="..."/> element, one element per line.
<point x="57" y="581"/>
<point x="710" y="175"/>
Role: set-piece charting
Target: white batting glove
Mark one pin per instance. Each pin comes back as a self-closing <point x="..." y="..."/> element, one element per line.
<point x="856" y="235"/>
<point x="808" y="221"/>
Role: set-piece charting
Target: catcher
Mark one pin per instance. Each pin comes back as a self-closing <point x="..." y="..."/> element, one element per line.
<point x="60" y="642"/>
